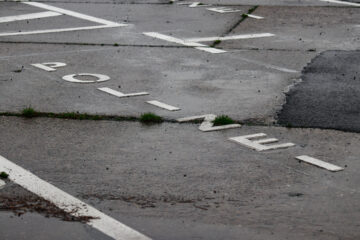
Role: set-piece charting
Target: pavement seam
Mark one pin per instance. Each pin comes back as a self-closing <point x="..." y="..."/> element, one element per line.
<point x="243" y="17"/>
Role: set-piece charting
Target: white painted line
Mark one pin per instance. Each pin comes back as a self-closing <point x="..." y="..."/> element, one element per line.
<point x="100" y="78"/>
<point x="59" y="30"/>
<point x="163" y="105"/>
<point x="211" y="50"/>
<point x="29" y="16"/>
<point x="120" y="94"/>
<point x="254" y="16"/>
<point x="72" y="13"/>
<point x="223" y="10"/>
<point x="198" y="46"/>
<point x="68" y="203"/>
<point x="319" y="163"/>
<point x="234" y="37"/>
<point x="259" y="144"/>
<point x="105" y="23"/>
<point x="207" y="125"/>
<point x="198" y="4"/>
<point x="2" y="184"/>
<point x="172" y="39"/>
<point x="195" y="4"/>
<point x="342" y="2"/>
<point x="49" y="66"/>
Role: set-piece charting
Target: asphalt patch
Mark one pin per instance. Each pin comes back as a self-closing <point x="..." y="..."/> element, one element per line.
<point x="328" y="96"/>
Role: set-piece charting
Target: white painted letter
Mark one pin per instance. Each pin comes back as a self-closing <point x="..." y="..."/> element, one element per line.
<point x="319" y="163"/>
<point x="259" y="145"/>
<point x="100" y="78"/>
<point x="49" y="66"/>
<point x="207" y="125"/>
<point x="120" y="94"/>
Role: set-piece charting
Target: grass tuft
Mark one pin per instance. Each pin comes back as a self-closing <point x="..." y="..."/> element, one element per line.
<point x="29" y="112"/>
<point x="223" y="120"/>
<point x="4" y="175"/>
<point x="216" y="42"/>
<point x="150" y="118"/>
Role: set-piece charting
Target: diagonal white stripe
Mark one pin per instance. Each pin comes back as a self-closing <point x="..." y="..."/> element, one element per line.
<point x="72" y="13"/>
<point x="68" y="203"/>
<point x="29" y="16"/>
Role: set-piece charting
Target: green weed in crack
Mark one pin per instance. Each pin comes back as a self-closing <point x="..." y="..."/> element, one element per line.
<point x="223" y="120"/>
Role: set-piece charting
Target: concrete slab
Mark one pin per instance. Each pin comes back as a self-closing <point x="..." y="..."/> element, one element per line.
<point x="142" y="176"/>
<point x="189" y="79"/>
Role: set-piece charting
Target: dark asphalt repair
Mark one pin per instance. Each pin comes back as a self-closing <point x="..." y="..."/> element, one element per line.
<point x="328" y="96"/>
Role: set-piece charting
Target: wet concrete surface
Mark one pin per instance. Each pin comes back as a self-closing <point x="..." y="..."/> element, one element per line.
<point x="328" y="96"/>
<point x="171" y="181"/>
<point x="138" y="173"/>
<point x="35" y="226"/>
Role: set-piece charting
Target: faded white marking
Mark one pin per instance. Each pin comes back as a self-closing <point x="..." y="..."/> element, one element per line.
<point x="342" y="2"/>
<point x="254" y="16"/>
<point x="234" y="37"/>
<point x="29" y="16"/>
<point x="282" y="69"/>
<point x="198" y="46"/>
<point x="319" y="163"/>
<point x="100" y="78"/>
<point x="49" y="66"/>
<point x="207" y="125"/>
<point x="223" y="10"/>
<point x="120" y="94"/>
<point x="163" y="105"/>
<point x="258" y="145"/>
<point x="2" y="184"/>
<point x="68" y="203"/>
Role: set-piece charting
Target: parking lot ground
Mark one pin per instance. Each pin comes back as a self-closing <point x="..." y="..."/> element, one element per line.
<point x="76" y="156"/>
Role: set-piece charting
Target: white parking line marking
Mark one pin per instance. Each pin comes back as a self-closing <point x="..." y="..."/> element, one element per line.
<point x="58" y="30"/>
<point x="207" y="125"/>
<point x="105" y="23"/>
<point x="2" y="184"/>
<point x="211" y="50"/>
<point x="29" y="16"/>
<point x="198" y="46"/>
<point x="254" y="16"/>
<point x="72" y="13"/>
<point x="234" y="37"/>
<point x="49" y="66"/>
<point x="319" y="163"/>
<point x="342" y="2"/>
<point x="172" y="39"/>
<point x="223" y="10"/>
<point x="68" y="203"/>
<point x="163" y="105"/>
<point x="120" y="94"/>
<point x="100" y="78"/>
<point x="258" y="145"/>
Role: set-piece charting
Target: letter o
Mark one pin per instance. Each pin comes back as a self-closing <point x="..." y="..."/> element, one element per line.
<point x="71" y="78"/>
